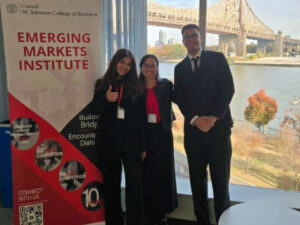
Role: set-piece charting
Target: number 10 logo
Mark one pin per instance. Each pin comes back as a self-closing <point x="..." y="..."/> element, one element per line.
<point x="92" y="196"/>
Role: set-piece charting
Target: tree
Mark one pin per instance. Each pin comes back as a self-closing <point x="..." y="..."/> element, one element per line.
<point x="213" y="48"/>
<point x="292" y="117"/>
<point x="261" y="109"/>
<point x="168" y="51"/>
<point x="251" y="48"/>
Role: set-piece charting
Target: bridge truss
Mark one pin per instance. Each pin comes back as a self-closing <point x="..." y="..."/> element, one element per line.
<point x="224" y="17"/>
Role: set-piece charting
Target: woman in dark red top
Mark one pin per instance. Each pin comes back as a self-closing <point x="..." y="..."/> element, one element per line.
<point x="159" y="184"/>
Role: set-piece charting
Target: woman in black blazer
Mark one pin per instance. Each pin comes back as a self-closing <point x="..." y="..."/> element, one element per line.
<point x="121" y="137"/>
<point x="159" y="184"/>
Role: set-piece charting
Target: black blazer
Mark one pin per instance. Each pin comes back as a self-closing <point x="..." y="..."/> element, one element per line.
<point x="165" y="95"/>
<point x="117" y="135"/>
<point x="207" y="92"/>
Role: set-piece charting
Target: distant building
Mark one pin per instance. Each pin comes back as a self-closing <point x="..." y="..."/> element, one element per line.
<point x="162" y="39"/>
<point x="162" y="36"/>
<point x="171" y="41"/>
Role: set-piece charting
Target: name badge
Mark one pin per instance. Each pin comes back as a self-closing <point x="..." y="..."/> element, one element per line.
<point x="151" y="118"/>
<point x="121" y="113"/>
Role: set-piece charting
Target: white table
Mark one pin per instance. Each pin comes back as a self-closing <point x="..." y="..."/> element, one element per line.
<point x="260" y="213"/>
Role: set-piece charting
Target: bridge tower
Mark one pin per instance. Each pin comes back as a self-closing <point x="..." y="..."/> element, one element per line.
<point x="278" y="44"/>
<point x="233" y="20"/>
<point x="241" y="37"/>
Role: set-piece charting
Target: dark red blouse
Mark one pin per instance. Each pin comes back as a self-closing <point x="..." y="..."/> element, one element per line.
<point x="152" y="104"/>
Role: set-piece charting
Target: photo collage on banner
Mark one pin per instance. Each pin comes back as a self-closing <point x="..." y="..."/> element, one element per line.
<point x="53" y="57"/>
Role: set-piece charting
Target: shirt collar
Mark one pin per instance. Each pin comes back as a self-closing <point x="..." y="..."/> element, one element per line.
<point x="197" y="55"/>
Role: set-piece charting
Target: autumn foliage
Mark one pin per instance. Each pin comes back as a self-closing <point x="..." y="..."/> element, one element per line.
<point x="261" y="109"/>
<point x="168" y="51"/>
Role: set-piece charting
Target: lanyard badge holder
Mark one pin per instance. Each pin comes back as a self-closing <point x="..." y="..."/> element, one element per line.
<point x="151" y="118"/>
<point x="121" y="110"/>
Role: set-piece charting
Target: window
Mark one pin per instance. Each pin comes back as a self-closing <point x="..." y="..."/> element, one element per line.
<point x="165" y="19"/>
<point x="124" y="26"/>
<point x="266" y="147"/>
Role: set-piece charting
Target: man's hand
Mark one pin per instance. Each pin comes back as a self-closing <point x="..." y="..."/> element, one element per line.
<point x="204" y="123"/>
<point x="212" y="120"/>
<point x="111" y="96"/>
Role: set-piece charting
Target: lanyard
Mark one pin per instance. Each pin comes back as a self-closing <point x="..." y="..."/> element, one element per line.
<point x="121" y="93"/>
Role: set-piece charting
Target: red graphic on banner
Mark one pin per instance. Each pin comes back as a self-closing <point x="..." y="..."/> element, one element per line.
<point x="53" y="181"/>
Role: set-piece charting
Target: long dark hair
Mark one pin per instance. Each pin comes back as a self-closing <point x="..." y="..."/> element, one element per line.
<point x="145" y="57"/>
<point x="130" y="80"/>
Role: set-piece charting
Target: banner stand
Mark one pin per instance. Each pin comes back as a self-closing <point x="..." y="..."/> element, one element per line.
<point x="52" y="55"/>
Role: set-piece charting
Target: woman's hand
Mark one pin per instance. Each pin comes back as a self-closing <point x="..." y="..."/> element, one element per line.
<point x="111" y="96"/>
<point x="144" y="154"/>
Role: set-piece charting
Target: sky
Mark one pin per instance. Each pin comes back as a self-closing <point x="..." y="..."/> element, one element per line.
<point x="276" y="14"/>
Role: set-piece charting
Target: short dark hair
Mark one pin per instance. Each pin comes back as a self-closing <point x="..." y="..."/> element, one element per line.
<point x="190" y="26"/>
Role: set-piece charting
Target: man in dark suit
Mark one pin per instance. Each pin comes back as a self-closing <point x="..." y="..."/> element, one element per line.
<point x="203" y="91"/>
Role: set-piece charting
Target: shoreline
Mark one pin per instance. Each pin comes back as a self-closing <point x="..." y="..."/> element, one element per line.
<point x="170" y="60"/>
<point x="249" y="63"/>
<point x="264" y="61"/>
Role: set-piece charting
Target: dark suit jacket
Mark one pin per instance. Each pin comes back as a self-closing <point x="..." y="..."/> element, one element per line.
<point x="208" y="92"/>
<point x="117" y="135"/>
<point x="165" y="95"/>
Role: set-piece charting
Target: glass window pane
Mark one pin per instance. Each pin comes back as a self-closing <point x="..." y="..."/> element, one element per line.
<point x="165" y="19"/>
<point x="263" y="51"/>
<point x="264" y="56"/>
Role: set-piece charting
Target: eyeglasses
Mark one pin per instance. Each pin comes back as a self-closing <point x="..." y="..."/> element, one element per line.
<point x="146" y="66"/>
<point x="192" y="36"/>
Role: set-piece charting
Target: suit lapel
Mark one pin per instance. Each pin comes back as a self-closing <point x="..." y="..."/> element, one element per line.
<point x="202" y="60"/>
<point x="157" y="89"/>
<point x="158" y="93"/>
<point x="187" y="65"/>
<point x="202" y="66"/>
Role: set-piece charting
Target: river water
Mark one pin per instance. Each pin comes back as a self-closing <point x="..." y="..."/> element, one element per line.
<point x="281" y="83"/>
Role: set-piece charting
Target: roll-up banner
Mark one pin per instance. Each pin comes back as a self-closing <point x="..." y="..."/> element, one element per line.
<point x="53" y="57"/>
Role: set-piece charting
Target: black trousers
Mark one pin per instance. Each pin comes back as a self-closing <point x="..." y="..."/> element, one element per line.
<point x="111" y="165"/>
<point x="211" y="149"/>
<point x="160" y="196"/>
